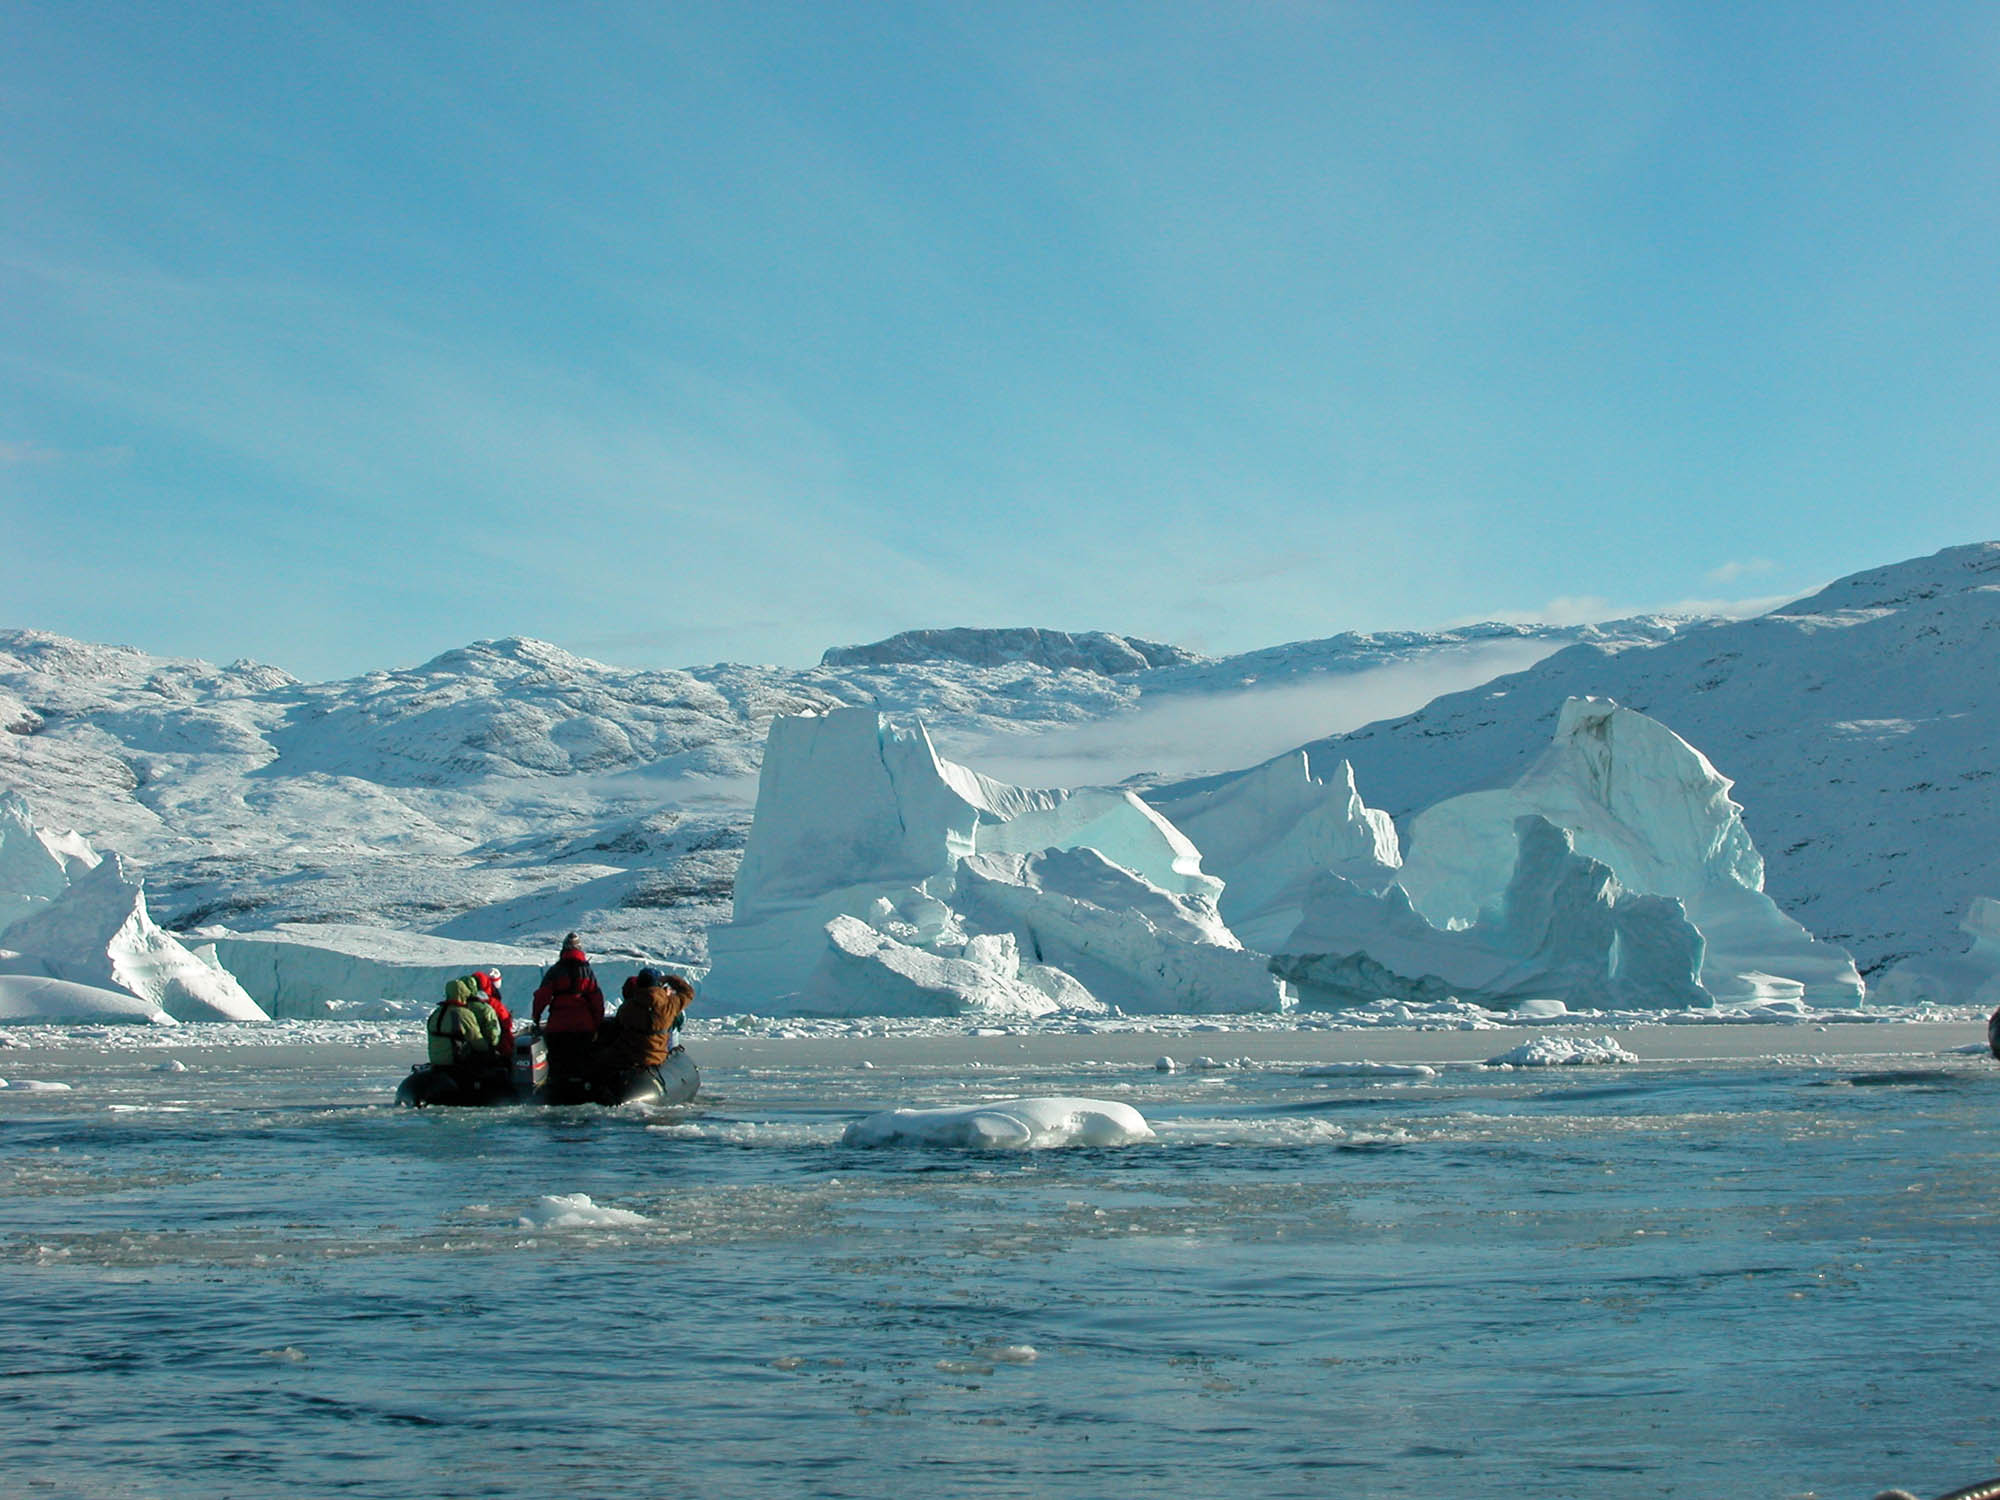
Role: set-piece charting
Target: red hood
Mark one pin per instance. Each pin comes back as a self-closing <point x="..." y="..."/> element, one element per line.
<point x="575" y="953"/>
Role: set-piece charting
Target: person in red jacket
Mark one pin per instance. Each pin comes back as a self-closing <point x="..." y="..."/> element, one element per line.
<point x="488" y="981"/>
<point x="575" y="1007"/>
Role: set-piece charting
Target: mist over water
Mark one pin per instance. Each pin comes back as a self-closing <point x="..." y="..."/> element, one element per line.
<point x="1752" y="1279"/>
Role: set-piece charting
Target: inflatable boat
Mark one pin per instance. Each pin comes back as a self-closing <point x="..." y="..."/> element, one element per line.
<point x="527" y="1081"/>
<point x="675" y="1081"/>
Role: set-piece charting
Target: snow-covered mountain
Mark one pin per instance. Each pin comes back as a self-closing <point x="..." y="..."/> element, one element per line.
<point x="505" y="791"/>
<point x="508" y="790"/>
<point x="1861" y="727"/>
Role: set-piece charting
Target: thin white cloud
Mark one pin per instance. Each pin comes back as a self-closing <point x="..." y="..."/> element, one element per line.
<point x="1737" y="568"/>
<point x="1591" y="609"/>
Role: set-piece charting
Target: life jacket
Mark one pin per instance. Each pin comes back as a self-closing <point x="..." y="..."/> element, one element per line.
<point x="463" y="1027"/>
<point x="570" y="995"/>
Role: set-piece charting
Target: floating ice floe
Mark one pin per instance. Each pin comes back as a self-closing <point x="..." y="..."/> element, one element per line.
<point x="576" y="1211"/>
<point x="1368" y="1070"/>
<point x="34" y="1086"/>
<point x="1562" y="1052"/>
<point x="1005" y="1124"/>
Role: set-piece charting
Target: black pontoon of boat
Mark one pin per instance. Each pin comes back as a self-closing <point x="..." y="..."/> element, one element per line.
<point x="527" y="1081"/>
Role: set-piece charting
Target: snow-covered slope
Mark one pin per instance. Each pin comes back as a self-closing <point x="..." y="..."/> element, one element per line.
<point x="508" y="791"/>
<point x="1859" y="727"/>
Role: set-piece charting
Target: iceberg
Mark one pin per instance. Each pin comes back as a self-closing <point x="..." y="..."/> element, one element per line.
<point x="1564" y="1052"/>
<point x="99" y="933"/>
<point x="1638" y="798"/>
<point x="1129" y="942"/>
<point x="30" y="999"/>
<point x="1564" y="928"/>
<point x="1968" y="978"/>
<point x="36" y="866"/>
<point x="865" y="972"/>
<point x="72" y="915"/>
<point x="1272" y="832"/>
<point x="979" y="895"/>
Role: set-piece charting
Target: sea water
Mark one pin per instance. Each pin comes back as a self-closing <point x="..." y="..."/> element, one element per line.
<point x="256" y="1277"/>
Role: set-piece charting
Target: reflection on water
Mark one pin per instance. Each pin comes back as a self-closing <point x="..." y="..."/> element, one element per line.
<point x="1734" y="1281"/>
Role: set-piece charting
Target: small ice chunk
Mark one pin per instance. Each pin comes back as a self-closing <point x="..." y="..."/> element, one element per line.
<point x="1013" y="1354"/>
<point x="576" y="1211"/>
<point x="1539" y="1010"/>
<point x="1005" y="1124"/>
<point x="290" y="1354"/>
<point x="1166" y="1065"/>
<point x="172" y="1065"/>
<point x="1205" y="1064"/>
<point x="1562" y="1052"/>
<point x="34" y="1086"/>
<point x="1368" y="1070"/>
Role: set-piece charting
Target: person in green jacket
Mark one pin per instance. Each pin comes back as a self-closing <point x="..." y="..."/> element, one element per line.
<point x="463" y="1029"/>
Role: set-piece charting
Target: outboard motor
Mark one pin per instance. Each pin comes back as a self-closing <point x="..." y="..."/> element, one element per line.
<point x="531" y="1065"/>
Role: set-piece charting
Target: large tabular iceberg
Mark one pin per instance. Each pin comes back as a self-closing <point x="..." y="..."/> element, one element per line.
<point x="879" y="877"/>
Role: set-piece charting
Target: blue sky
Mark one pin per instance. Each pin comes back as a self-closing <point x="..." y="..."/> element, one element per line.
<point x="340" y="334"/>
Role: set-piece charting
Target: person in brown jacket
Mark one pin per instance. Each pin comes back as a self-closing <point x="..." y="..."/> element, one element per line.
<point x="640" y="1037"/>
<point x="650" y="1008"/>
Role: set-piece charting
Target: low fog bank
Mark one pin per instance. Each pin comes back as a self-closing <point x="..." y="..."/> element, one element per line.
<point x="1178" y="735"/>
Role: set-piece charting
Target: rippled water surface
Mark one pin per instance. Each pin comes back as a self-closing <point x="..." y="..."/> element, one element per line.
<point x="258" y="1278"/>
